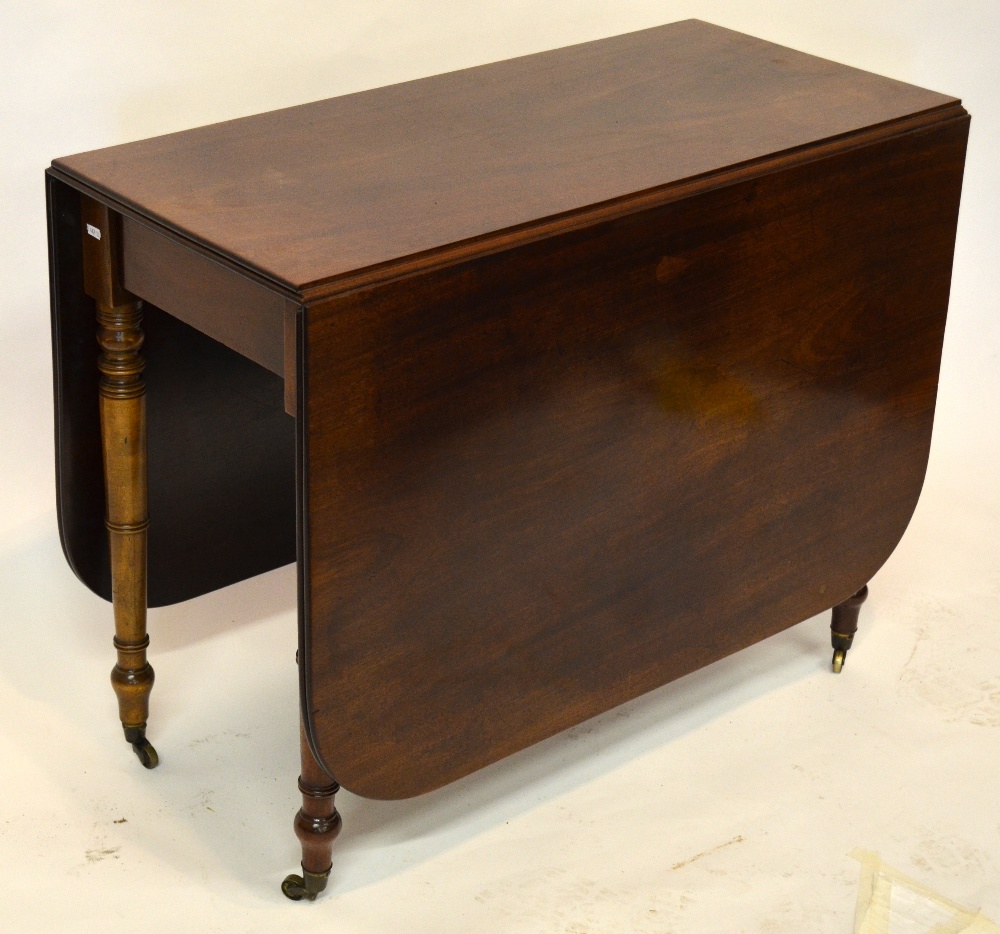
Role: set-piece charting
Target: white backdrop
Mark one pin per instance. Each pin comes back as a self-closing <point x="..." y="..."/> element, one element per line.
<point x="561" y="839"/>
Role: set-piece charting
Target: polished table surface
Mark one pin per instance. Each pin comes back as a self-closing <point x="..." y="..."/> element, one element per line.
<point x="313" y="194"/>
<point x="604" y="363"/>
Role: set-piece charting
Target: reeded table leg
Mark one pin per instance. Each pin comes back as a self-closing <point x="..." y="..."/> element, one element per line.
<point x="316" y="825"/>
<point x="844" y="625"/>
<point x="123" y="440"/>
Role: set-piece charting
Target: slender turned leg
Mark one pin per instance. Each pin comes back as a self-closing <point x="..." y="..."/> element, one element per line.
<point x="316" y="825"/>
<point x="123" y="435"/>
<point x="845" y="625"/>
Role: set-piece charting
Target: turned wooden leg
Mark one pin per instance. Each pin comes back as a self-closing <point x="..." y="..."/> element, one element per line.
<point x="316" y="825"/>
<point x="844" y="625"/>
<point x="122" y="393"/>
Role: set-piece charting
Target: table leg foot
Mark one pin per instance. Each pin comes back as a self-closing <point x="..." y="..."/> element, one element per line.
<point x="317" y="825"/>
<point x="844" y="625"/>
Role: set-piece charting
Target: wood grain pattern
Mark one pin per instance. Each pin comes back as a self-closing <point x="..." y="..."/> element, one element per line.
<point x="604" y="363"/>
<point x="542" y="482"/>
<point x="308" y="194"/>
<point x="602" y="357"/>
<point x="234" y="310"/>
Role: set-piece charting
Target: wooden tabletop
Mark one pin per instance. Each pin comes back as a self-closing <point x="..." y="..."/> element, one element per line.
<point x="311" y="193"/>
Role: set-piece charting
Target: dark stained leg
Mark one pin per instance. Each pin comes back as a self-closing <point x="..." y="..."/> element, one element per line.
<point x="123" y="440"/>
<point x="844" y="625"/>
<point x="316" y="825"/>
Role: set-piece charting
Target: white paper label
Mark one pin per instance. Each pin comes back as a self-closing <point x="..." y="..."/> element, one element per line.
<point x="95" y="232"/>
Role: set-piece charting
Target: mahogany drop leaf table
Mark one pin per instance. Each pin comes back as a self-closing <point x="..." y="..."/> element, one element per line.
<point x="559" y="378"/>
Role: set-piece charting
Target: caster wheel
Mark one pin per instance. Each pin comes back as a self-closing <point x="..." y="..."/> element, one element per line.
<point x="306" y="886"/>
<point x="838" y="660"/>
<point x="146" y="753"/>
<point x="136" y="735"/>
<point x="294" y="887"/>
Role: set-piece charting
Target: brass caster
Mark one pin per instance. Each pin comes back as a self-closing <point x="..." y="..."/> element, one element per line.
<point x="838" y="660"/>
<point x="307" y="886"/>
<point x="142" y="746"/>
<point x="147" y="754"/>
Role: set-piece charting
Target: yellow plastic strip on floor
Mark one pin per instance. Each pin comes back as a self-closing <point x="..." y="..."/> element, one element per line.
<point x="891" y="903"/>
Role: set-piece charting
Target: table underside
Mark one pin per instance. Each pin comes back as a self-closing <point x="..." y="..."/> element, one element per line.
<point x="221" y="447"/>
